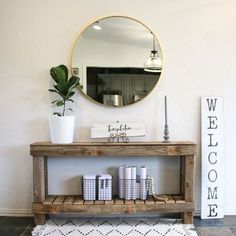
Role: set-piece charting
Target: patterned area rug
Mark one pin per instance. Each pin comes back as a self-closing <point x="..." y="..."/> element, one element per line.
<point x="113" y="227"/>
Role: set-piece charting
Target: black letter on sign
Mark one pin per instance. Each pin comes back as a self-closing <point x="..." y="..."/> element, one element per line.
<point x="211" y="144"/>
<point x="212" y="104"/>
<point x="210" y="176"/>
<point x="212" y="210"/>
<point x="209" y="158"/>
<point x="212" y="195"/>
<point x="212" y="122"/>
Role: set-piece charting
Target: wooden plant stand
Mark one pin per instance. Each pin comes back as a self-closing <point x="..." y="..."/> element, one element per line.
<point x="49" y="204"/>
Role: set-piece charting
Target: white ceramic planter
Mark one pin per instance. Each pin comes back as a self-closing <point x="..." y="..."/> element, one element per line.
<point x="62" y="129"/>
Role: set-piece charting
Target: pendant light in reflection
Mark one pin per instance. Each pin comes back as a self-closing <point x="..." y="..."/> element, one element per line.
<point x="154" y="62"/>
<point x="97" y="26"/>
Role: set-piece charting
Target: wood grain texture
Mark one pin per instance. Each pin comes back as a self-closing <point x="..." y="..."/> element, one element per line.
<point x="69" y="200"/>
<point x="119" y="202"/>
<point x="39" y="219"/>
<point x="39" y="186"/>
<point x="88" y="202"/>
<point x="129" y="202"/>
<point x="182" y="174"/>
<point x="170" y="200"/>
<point x="112" y="209"/>
<point x="49" y="200"/>
<point x="38" y="179"/>
<point x="187" y="217"/>
<point x="189" y="178"/>
<point x="109" y="202"/>
<point x="113" y="149"/>
<point x="99" y="202"/>
<point x="139" y="202"/>
<point x="59" y="200"/>
<point x="46" y="175"/>
<point x="178" y="199"/>
<point x="116" y="144"/>
<point x="150" y="201"/>
<point x="44" y="204"/>
<point x="79" y="200"/>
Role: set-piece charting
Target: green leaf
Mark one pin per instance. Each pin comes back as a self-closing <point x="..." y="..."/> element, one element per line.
<point x="70" y="95"/>
<point x="55" y="101"/>
<point x="73" y="81"/>
<point x="61" y="88"/>
<point x="59" y="74"/>
<point x="64" y="68"/>
<point x="60" y="103"/>
<point x="57" y="113"/>
<point x="53" y="90"/>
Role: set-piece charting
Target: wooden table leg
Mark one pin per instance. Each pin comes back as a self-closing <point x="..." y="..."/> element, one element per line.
<point x="39" y="219"/>
<point x="182" y="174"/>
<point x="188" y="217"/>
<point x="39" y="185"/>
<point x="188" y="184"/>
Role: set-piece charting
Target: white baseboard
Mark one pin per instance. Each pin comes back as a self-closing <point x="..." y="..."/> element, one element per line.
<point x="230" y="213"/>
<point x="197" y="213"/>
<point x="15" y="212"/>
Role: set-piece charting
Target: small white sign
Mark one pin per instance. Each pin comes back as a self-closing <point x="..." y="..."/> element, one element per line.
<point x="129" y="128"/>
<point x="212" y="148"/>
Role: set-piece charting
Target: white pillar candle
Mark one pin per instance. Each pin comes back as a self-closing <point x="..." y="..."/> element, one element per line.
<point x="143" y="186"/>
<point x="165" y="110"/>
<point x="127" y="183"/>
<point x="133" y="182"/>
<point x="121" y="176"/>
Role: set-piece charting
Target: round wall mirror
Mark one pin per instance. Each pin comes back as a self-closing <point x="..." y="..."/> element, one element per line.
<point x="118" y="60"/>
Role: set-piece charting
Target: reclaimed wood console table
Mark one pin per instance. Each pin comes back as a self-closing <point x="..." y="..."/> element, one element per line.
<point x="44" y="204"/>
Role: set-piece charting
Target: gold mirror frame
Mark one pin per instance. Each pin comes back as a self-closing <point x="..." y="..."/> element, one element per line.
<point x="73" y="71"/>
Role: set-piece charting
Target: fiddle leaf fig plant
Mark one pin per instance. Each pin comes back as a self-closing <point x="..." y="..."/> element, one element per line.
<point x="64" y="87"/>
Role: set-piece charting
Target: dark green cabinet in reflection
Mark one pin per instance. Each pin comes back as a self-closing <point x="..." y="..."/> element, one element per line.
<point x="131" y="87"/>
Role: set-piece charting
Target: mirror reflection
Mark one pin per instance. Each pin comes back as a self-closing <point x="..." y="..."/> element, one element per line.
<point x="118" y="60"/>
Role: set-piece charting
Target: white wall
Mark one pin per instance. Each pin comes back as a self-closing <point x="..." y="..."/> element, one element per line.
<point x="198" y="43"/>
<point x="90" y="52"/>
<point x="102" y="53"/>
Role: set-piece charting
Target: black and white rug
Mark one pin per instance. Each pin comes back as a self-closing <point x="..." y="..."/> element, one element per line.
<point x="113" y="227"/>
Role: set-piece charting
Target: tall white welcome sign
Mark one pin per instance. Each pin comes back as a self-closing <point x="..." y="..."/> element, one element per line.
<point x="212" y="147"/>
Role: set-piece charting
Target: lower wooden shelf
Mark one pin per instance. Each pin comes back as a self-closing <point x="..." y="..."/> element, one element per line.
<point x="75" y="204"/>
<point x="44" y="204"/>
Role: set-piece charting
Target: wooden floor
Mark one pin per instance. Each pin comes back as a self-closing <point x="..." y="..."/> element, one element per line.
<point x="22" y="226"/>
